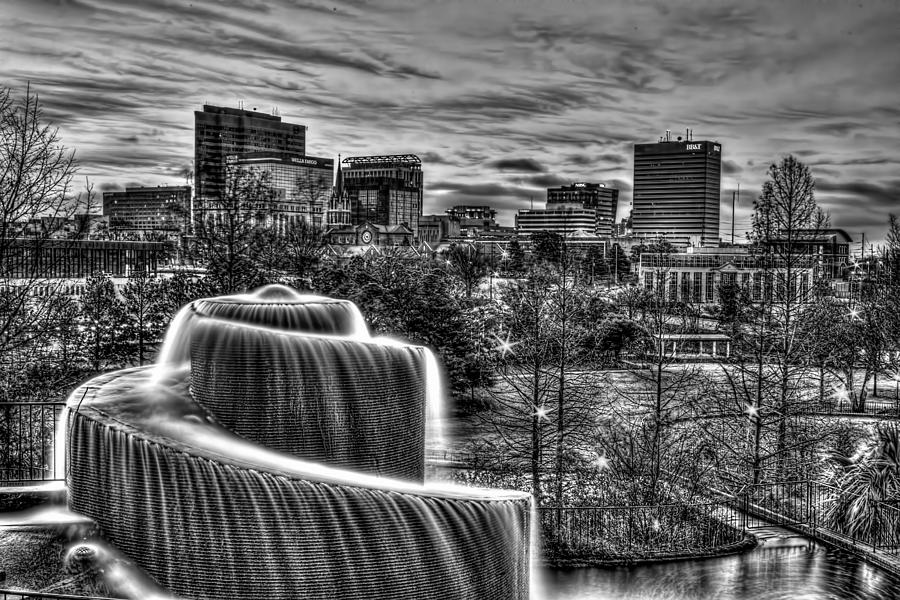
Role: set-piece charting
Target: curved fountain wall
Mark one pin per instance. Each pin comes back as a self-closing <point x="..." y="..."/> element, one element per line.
<point x="175" y="467"/>
<point x="346" y="403"/>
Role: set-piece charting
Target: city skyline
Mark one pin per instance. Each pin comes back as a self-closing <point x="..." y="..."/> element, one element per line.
<point x="501" y="101"/>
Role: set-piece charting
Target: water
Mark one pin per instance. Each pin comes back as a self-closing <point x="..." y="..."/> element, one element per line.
<point x="258" y="461"/>
<point x="246" y="343"/>
<point x="784" y="567"/>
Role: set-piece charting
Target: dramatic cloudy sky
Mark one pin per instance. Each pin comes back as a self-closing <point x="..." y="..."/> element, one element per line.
<point x="500" y="98"/>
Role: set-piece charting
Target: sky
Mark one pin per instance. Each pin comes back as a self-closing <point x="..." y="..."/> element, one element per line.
<point x="500" y="98"/>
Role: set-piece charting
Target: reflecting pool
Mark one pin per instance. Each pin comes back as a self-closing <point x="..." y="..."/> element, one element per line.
<point x="783" y="567"/>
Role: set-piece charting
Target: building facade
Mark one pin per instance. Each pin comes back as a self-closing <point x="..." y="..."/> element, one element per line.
<point x="677" y="186"/>
<point x="603" y="200"/>
<point x="434" y="229"/>
<point x="78" y="259"/>
<point x="384" y="190"/>
<point x="371" y="235"/>
<point x="695" y="277"/>
<point x="220" y="132"/>
<point x="301" y="185"/>
<point x="562" y="221"/>
<point x="148" y="209"/>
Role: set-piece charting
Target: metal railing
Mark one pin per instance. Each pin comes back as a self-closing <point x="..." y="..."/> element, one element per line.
<point x="809" y="507"/>
<point x="27" y="439"/>
<point x="22" y="595"/>
<point x="877" y="406"/>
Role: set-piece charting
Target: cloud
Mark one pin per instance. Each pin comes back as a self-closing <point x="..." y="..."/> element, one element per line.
<point x="729" y="167"/>
<point x="477" y="189"/>
<point x="546" y="181"/>
<point x="838" y="129"/>
<point x="527" y="165"/>
<point x="873" y="196"/>
<point x="581" y="160"/>
<point x="111" y="187"/>
<point x="616" y="159"/>
<point x="621" y="185"/>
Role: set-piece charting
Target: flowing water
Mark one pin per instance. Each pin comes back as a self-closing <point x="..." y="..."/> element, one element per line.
<point x="783" y="567"/>
<point x="256" y="460"/>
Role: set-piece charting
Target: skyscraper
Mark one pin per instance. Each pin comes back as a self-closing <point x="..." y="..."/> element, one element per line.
<point x="220" y="132"/>
<point x="676" y="190"/>
<point x="384" y="190"/>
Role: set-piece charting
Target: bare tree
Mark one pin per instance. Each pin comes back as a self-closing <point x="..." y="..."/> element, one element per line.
<point x="763" y="388"/>
<point x="645" y="439"/>
<point x="228" y="229"/>
<point x="466" y="264"/>
<point x="36" y="203"/>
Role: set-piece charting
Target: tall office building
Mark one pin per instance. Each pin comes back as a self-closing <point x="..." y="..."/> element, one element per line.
<point x="220" y="132"/>
<point x="384" y="190"/>
<point x="676" y="190"/>
<point x="301" y="185"/>
<point x="604" y="200"/>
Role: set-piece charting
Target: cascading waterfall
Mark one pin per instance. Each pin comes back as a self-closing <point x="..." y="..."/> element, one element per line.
<point x="277" y="450"/>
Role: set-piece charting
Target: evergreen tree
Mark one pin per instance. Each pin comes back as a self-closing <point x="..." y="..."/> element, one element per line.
<point x="101" y="321"/>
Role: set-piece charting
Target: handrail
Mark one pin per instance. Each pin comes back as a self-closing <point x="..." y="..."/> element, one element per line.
<point x="6" y="594"/>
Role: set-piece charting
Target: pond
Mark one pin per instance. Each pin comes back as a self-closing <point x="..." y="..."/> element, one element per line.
<point x="784" y="567"/>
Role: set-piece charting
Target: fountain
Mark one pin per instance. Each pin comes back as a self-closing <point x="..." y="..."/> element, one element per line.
<point x="277" y="450"/>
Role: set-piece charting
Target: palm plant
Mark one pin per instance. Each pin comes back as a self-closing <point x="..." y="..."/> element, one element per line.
<point x="865" y="484"/>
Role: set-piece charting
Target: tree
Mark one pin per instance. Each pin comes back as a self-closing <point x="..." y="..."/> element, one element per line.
<point x="143" y="322"/>
<point x="412" y="299"/>
<point x="314" y="193"/>
<point x="101" y="320"/>
<point x="734" y="301"/>
<point x="521" y="403"/>
<point x="594" y="265"/>
<point x="547" y="247"/>
<point x="467" y="265"/>
<point x="822" y="333"/>
<point x="619" y="265"/>
<point x="36" y="201"/>
<point x="642" y="437"/>
<point x="229" y="230"/>
<point x="765" y="384"/>
<point x="615" y="335"/>
<point x="516" y="262"/>
<point x="295" y="251"/>
<point x="660" y="246"/>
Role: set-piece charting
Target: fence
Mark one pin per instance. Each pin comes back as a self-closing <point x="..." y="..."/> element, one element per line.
<point x="628" y="532"/>
<point x="17" y="595"/>
<point x="877" y="406"/>
<point x="27" y="437"/>
<point x="812" y="508"/>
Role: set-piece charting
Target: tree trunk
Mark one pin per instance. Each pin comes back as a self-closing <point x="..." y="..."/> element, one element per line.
<point x="536" y="458"/>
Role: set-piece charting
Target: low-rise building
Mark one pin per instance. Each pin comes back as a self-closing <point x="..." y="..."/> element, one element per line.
<point x="160" y="209"/>
<point x="561" y="220"/>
